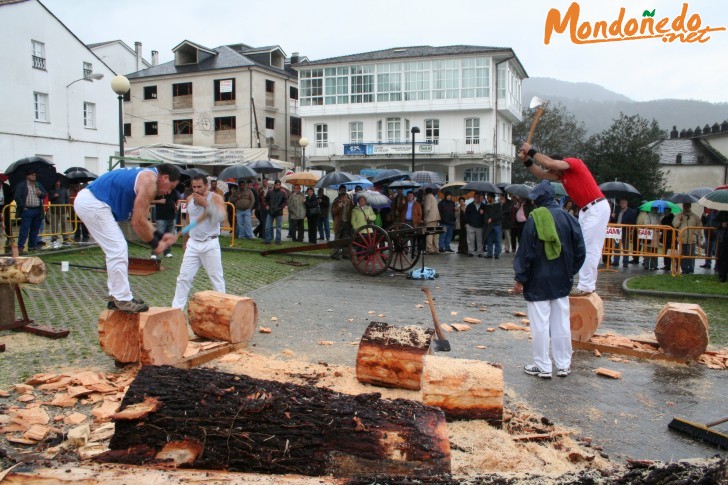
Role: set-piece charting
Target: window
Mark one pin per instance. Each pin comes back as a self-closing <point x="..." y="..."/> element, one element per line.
<point x="293" y="93"/>
<point x="416" y="80"/>
<point x="127" y="129"/>
<point x="38" y="55"/>
<point x="225" y="123"/>
<point x="379" y="131"/>
<point x="477" y="174"/>
<point x="224" y="91"/>
<point x="472" y="131"/>
<point x="127" y="96"/>
<point x="270" y="123"/>
<point x="150" y="92"/>
<point x="394" y="130"/>
<point x="389" y="82"/>
<point x="678" y="158"/>
<point x="356" y="132"/>
<point x="270" y="86"/>
<point x="88" y="69"/>
<point x="336" y="85"/>
<point x="182" y="96"/>
<point x="475" y="78"/>
<point x="181" y="89"/>
<point x="182" y="127"/>
<point x="432" y="131"/>
<point x="312" y="87"/>
<point x="362" y="84"/>
<point x="40" y="106"/>
<point x="445" y="79"/>
<point x="89" y="115"/>
<point x="322" y="135"/>
<point x="295" y="126"/>
<point x="150" y="128"/>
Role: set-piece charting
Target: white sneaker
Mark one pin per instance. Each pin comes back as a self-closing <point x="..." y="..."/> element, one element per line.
<point x="533" y="370"/>
<point x="563" y="372"/>
<point x="168" y="255"/>
<point x="153" y="256"/>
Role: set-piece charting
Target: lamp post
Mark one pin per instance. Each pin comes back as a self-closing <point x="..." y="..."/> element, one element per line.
<point x="303" y="142"/>
<point x="413" y="131"/>
<point x="120" y="85"/>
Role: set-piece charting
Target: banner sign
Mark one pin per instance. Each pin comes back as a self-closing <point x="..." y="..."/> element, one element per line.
<point x="643" y="233"/>
<point x="190" y="155"/>
<point x="613" y="233"/>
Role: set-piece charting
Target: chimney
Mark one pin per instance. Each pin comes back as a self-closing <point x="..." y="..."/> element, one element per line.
<point x="673" y="133"/>
<point x="155" y="58"/>
<point x="683" y="133"/>
<point x="138" y="49"/>
<point x="294" y="58"/>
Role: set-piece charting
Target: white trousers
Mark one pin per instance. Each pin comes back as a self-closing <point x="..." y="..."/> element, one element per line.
<point x="206" y="254"/>
<point x="99" y="221"/>
<point x="593" y="224"/>
<point x="550" y="322"/>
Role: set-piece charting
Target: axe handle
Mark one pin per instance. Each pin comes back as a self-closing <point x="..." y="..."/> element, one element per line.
<point x="539" y="112"/>
<point x="435" y="320"/>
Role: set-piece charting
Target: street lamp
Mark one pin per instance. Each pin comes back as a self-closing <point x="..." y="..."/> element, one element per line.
<point x="413" y="131"/>
<point x="303" y="142"/>
<point x="91" y="77"/>
<point x="120" y="85"/>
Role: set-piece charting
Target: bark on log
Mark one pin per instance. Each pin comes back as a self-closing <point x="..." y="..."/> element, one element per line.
<point x="464" y="389"/>
<point x="237" y="423"/>
<point x="155" y="337"/>
<point x="391" y="356"/>
<point x="7" y="306"/>
<point x="586" y="314"/>
<point x="22" y="270"/>
<point x="682" y="330"/>
<point x="219" y="316"/>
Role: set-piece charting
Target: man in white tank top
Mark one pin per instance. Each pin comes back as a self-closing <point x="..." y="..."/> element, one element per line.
<point x="201" y="245"/>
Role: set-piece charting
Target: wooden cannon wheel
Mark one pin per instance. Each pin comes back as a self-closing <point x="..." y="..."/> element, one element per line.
<point x="405" y="248"/>
<point x="370" y="250"/>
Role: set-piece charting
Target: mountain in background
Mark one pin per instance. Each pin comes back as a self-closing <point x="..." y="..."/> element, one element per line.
<point x="597" y="106"/>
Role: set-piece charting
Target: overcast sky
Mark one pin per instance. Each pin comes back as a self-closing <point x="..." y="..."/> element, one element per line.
<point x="639" y="69"/>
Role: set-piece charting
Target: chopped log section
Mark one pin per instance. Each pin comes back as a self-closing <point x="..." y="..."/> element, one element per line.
<point x="238" y="423"/>
<point x="154" y="337"/>
<point x="219" y="316"/>
<point x="587" y="313"/>
<point x="391" y="356"/>
<point x="22" y="270"/>
<point x="682" y="330"/>
<point x="464" y="389"/>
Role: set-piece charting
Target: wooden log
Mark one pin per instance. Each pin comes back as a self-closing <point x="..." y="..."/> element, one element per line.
<point x="155" y="337"/>
<point x="682" y="330"/>
<point x="464" y="389"/>
<point x="586" y="314"/>
<point x="232" y="422"/>
<point x="391" y="356"/>
<point x="7" y="306"/>
<point x="219" y="316"/>
<point x="22" y="270"/>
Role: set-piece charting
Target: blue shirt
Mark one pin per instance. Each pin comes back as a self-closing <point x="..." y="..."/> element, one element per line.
<point x="116" y="188"/>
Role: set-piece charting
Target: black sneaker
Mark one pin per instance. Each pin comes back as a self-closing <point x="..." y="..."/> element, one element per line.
<point x="533" y="370"/>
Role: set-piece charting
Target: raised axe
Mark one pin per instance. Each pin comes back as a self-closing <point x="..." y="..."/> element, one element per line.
<point x="441" y="344"/>
<point x="538" y="104"/>
<point x="212" y="211"/>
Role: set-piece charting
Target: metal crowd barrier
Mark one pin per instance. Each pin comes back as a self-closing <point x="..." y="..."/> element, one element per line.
<point x="59" y="220"/>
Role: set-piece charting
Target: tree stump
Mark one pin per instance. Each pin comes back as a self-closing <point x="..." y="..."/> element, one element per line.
<point x="220" y="316"/>
<point x="586" y="314"/>
<point x="217" y="421"/>
<point x="22" y="270"/>
<point x="682" y="330"/>
<point x="391" y="356"/>
<point x="154" y="337"/>
<point x="464" y="389"/>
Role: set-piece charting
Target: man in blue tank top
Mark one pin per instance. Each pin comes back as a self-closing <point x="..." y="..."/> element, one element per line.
<point x="120" y="195"/>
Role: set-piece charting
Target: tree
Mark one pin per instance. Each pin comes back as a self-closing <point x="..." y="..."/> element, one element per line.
<point x="623" y="152"/>
<point x="557" y="132"/>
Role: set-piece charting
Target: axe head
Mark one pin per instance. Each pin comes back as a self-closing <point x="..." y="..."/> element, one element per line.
<point x="213" y="212"/>
<point x="537" y="102"/>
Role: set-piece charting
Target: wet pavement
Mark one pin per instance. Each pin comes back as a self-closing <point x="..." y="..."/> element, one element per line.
<point x="627" y="417"/>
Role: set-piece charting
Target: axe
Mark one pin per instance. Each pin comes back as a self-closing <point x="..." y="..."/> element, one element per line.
<point x="539" y="104"/>
<point x="211" y="212"/>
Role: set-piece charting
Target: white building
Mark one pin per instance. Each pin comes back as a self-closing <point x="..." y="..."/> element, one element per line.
<point x="121" y="58"/>
<point x="52" y="104"/>
<point x="359" y="110"/>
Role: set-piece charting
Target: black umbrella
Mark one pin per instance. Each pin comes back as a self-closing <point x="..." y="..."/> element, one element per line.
<point x="615" y="190"/>
<point x="45" y="170"/>
<point x="237" y="172"/>
<point x="265" y="166"/>
<point x="188" y="173"/>
<point x="519" y="190"/>
<point x="335" y="178"/>
<point x="73" y="169"/>
<point x="404" y="184"/>
<point x="482" y="186"/>
<point x="700" y="191"/>
<point x="502" y="186"/>
<point x="390" y="175"/>
<point x="683" y="198"/>
<point x="80" y="176"/>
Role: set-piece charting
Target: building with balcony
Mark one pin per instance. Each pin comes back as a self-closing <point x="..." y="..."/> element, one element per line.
<point x="234" y="97"/>
<point x="359" y="110"/>
<point x="56" y="100"/>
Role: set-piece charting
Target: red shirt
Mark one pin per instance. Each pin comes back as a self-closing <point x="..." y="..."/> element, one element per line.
<point x="579" y="183"/>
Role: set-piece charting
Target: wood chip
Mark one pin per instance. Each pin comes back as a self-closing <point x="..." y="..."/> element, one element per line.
<point x="602" y="371"/>
<point x="471" y="320"/>
<point x="519" y="314"/>
<point x="74" y="419"/>
<point x="78" y="391"/>
<point x="42" y="379"/>
<point x="26" y="398"/>
<point x="102" y="387"/>
<point x="29" y="416"/>
<point x="106" y="410"/>
<point x="597" y="353"/>
<point x="326" y="342"/>
<point x="453" y="314"/>
<point x="491" y="329"/>
<point x="445" y="327"/>
<point x="288" y="352"/>
<point x="20" y="441"/>
<point x="381" y="315"/>
<point x="102" y="433"/>
<point x="4" y="393"/>
<point x="461" y="327"/>
<point x="481" y="347"/>
<point x="231" y="358"/>
<point x="263" y="329"/>
<point x="88" y="378"/>
<point x="371" y="312"/>
<point x="350" y="320"/>
<point x="12" y="428"/>
<point x="138" y="410"/>
<point x="419" y="306"/>
<point x="23" y="388"/>
<point x="63" y="400"/>
<point x="513" y="326"/>
<point x="78" y="436"/>
<point x="91" y="450"/>
<point x="273" y="319"/>
<point x="37" y="432"/>
<point x="525" y="321"/>
<point x="61" y="383"/>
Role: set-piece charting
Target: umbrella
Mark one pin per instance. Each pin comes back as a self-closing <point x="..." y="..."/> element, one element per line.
<point x="238" y="172"/>
<point x="363" y="183"/>
<point x="390" y="175"/>
<point x="482" y="186"/>
<point x="519" y="190"/>
<point x="683" y="198"/>
<point x="502" y="185"/>
<point x="45" y="170"/>
<point x="301" y="178"/>
<point x="80" y="176"/>
<point x="700" y="192"/>
<point x="559" y="190"/>
<point x="614" y="190"/>
<point x="264" y="166"/>
<point x="375" y="199"/>
<point x="423" y="177"/>
<point x="661" y="206"/>
<point x="718" y="200"/>
<point x="431" y="185"/>
<point x="334" y="178"/>
<point x="3" y="177"/>
<point x="188" y="173"/>
<point x="74" y="169"/>
<point x="404" y="184"/>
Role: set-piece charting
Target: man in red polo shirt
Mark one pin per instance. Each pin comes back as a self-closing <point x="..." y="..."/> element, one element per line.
<point x="584" y="191"/>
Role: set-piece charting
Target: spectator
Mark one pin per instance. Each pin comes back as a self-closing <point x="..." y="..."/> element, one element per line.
<point x="721" y="226"/>
<point x="708" y="221"/>
<point x="324" y="228"/>
<point x="652" y="243"/>
<point x="29" y="195"/>
<point x="411" y="212"/>
<point x="275" y="201"/>
<point x="165" y="214"/>
<point x="448" y="219"/>
<point x="474" y="221"/>
<point x="362" y="214"/>
<point x="313" y="212"/>
<point x="494" y="219"/>
<point x="244" y="200"/>
<point x="431" y="217"/>
<point x="688" y="238"/>
<point x="59" y="198"/>
<point x="460" y="226"/>
<point x="341" y="212"/>
<point x="668" y="240"/>
<point x="507" y="221"/>
<point x="624" y="215"/>
<point x="296" y="213"/>
<point x="215" y="189"/>
<point x="262" y="212"/>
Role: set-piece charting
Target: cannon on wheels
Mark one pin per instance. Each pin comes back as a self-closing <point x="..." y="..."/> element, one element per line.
<point x="373" y="250"/>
